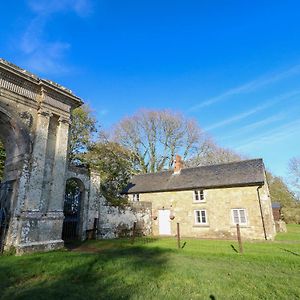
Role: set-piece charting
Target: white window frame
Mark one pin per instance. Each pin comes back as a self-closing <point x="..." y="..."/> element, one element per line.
<point x="240" y="218"/>
<point x="136" y="197"/>
<point x="200" y="195"/>
<point x="196" y="217"/>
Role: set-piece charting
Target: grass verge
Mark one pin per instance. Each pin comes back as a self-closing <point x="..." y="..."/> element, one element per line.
<point x="156" y="269"/>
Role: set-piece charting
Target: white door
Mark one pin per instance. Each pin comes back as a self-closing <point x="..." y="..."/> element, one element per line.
<point x="164" y="222"/>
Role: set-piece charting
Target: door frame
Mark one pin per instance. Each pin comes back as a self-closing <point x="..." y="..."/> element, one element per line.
<point x="167" y="221"/>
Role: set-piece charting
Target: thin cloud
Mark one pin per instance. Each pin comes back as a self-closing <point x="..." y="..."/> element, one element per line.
<point x="42" y="55"/>
<point x="248" y="87"/>
<point x="47" y="7"/>
<point x="255" y="125"/>
<point x="253" y="111"/>
<point x="271" y="137"/>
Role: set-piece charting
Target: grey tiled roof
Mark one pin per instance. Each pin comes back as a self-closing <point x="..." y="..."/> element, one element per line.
<point x="242" y="173"/>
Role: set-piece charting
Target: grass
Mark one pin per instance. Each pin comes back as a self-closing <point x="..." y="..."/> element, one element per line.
<point x="291" y="235"/>
<point x="156" y="269"/>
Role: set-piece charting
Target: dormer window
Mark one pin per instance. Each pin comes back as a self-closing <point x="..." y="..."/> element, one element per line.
<point x="136" y="197"/>
<point x="199" y="196"/>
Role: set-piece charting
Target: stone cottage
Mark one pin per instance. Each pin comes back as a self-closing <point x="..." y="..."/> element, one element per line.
<point x="208" y="201"/>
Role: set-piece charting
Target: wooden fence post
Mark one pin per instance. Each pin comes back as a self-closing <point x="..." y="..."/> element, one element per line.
<point x="178" y="236"/>
<point x="133" y="232"/>
<point x="239" y="238"/>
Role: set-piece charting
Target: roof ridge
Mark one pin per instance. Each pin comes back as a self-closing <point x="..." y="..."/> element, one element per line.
<point x="204" y="166"/>
<point x="226" y="163"/>
<point x="153" y="173"/>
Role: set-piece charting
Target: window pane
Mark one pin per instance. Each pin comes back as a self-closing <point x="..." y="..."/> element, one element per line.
<point x="235" y="216"/>
<point x="242" y="216"/>
<point x="201" y="195"/>
<point x="197" y="216"/>
<point x="196" y="195"/>
<point x="203" y="216"/>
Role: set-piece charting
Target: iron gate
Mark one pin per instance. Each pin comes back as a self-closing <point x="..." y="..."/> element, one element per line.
<point x="72" y="217"/>
<point x="5" y="192"/>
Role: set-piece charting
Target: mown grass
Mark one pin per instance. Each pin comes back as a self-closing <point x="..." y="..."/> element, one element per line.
<point x="156" y="269"/>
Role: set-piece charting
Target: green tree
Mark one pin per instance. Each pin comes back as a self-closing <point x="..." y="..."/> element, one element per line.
<point x="115" y="165"/>
<point x="83" y="128"/>
<point x="280" y="192"/>
<point x="2" y="160"/>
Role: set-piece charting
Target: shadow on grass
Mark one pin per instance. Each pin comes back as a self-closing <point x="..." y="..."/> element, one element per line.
<point x="234" y="249"/>
<point x="289" y="251"/>
<point x="111" y="274"/>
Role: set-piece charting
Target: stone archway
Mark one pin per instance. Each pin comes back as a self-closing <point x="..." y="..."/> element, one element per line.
<point x="17" y="143"/>
<point x="34" y="119"/>
<point x="89" y="183"/>
<point x="73" y="209"/>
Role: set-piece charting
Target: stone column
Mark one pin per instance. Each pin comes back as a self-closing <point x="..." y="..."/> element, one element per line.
<point x="38" y="161"/>
<point x="59" y="168"/>
<point x="94" y="204"/>
<point x="84" y="211"/>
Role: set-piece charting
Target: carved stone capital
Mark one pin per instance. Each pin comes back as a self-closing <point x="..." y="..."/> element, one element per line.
<point x="45" y="113"/>
<point x="64" y="120"/>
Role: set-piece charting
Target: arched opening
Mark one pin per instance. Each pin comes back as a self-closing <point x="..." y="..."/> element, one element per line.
<point x="73" y="209"/>
<point x="15" y="144"/>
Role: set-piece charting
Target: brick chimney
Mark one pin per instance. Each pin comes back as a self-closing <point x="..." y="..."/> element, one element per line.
<point x="178" y="164"/>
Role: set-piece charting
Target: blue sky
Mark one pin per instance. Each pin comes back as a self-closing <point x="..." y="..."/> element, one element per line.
<point x="232" y="65"/>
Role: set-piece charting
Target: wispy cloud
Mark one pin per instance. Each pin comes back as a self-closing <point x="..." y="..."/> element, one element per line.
<point x="243" y="115"/>
<point x="249" y="87"/>
<point x="271" y="137"/>
<point x="46" y="7"/>
<point x="40" y="54"/>
<point x="254" y="126"/>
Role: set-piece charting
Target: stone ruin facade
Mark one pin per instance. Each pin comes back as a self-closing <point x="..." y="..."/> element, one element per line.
<point x="35" y="118"/>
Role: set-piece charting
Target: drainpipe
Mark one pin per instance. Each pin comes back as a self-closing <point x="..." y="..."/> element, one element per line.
<point x="261" y="212"/>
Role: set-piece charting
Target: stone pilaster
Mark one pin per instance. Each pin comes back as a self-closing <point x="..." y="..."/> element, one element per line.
<point x="59" y="168"/>
<point x="38" y="161"/>
<point x="94" y="199"/>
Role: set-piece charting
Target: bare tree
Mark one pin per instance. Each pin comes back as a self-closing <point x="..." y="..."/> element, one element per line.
<point x="294" y="170"/>
<point x="155" y="137"/>
<point x="210" y="153"/>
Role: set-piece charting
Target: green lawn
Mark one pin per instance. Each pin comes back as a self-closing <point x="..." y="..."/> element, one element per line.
<point x="156" y="269"/>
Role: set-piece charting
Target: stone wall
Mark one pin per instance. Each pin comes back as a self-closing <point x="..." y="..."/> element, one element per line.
<point x="115" y="222"/>
<point x="218" y="205"/>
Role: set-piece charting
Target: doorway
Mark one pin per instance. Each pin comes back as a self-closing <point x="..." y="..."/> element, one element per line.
<point x="72" y="210"/>
<point x="164" y="222"/>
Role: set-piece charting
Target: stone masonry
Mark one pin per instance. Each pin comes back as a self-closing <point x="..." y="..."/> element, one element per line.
<point x="34" y="127"/>
<point x="218" y="205"/>
<point x="230" y="193"/>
